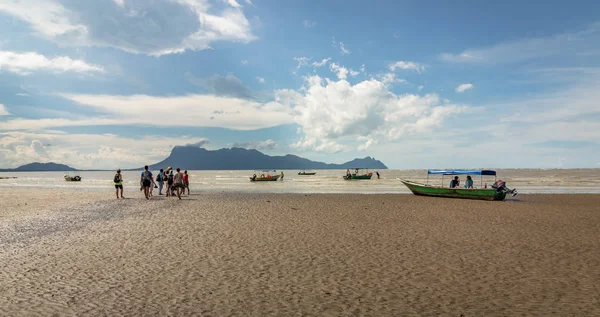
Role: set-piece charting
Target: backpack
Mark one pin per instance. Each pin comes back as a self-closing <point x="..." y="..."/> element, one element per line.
<point x="146" y="175"/>
<point x="117" y="178"/>
<point x="159" y="177"/>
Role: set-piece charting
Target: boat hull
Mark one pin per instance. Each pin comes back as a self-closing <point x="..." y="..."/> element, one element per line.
<point x="358" y="177"/>
<point x="265" y="179"/>
<point x="479" y="194"/>
<point x="306" y="174"/>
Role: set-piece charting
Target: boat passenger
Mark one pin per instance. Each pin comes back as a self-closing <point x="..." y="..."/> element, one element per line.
<point x="262" y="175"/>
<point x="378" y="177"/>
<point x="455" y="182"/>
<point x="469" y="183"/>
<point x="254" y="177"/>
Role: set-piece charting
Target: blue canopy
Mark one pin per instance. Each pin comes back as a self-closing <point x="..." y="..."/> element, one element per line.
<point x="462" y="172"/>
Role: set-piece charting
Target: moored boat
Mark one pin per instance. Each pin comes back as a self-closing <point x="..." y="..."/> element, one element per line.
<point x="265" y="176"/>
<point x="359" y="173"/>
<point x="72" y="178"/>
<point x="305" y="173"/>
<point x="498" y="190"/>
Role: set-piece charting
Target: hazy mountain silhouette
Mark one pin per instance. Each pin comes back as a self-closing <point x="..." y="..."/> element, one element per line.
<point x="41" y="167"/>
<point x="196" y="158"/>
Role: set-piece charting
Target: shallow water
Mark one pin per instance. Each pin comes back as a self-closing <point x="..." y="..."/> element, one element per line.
<point x="326" y="181"/>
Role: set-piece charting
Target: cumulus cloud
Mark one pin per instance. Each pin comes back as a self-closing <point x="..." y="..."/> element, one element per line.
<point x="464" y="87"/>
<point x="27" y="62"/>
<point x="260" y="80"/>
<point x="340" y="71"/>
<point x="3" y="111"/>
<point x="406" y="66"/>
<point x="257" y="145"/>
<point x="331" y="113"/>
<point x="142" y="27"/>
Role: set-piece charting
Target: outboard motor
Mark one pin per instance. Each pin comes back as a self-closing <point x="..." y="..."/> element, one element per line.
<point x="500" y="186"/>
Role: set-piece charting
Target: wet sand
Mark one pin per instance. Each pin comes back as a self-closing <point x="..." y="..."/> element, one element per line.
<point x="70" y="253"/>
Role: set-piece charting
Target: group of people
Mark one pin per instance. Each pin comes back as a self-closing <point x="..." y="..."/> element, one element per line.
<point x="176" y="182"/>
<point x="455" y="183"/>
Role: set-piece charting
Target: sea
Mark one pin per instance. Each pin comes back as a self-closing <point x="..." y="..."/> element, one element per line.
<point x="526" y="181"/>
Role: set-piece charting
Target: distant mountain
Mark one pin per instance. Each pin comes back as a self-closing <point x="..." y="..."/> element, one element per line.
<point x="41" y="167"/>
<point x="196" y="158"/>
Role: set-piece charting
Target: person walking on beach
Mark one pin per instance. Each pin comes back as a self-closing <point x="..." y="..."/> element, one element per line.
<point x="159" y="180"/>
<point x="169" y="179"/>
<point x="186" y="182"/>
<point x="178" y="182"/>
<point x="119" y="183"/>
<point x="147" y="181"/>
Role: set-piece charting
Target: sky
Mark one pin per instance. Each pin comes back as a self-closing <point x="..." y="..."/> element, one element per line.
<point x="415" y="84"/>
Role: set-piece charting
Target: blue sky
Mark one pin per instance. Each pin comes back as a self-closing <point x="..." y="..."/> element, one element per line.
<point x="416" y="84"/>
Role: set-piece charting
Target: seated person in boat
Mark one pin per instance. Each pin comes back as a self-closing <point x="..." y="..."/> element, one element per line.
<point x="262" y="175"/>
<point x="254" y="177"/>
<point x="469" y="183"/>
<point x="348" y="173"/>
<point x="455" y="182"/>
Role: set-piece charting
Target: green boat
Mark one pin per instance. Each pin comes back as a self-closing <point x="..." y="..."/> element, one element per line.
<point x="359" y="173"/>
<point x="498" y="190"/>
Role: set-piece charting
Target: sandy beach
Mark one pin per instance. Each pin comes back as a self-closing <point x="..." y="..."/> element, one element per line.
<point x="84" y="253"/>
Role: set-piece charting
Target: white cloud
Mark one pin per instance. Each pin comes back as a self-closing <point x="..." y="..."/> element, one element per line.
<point x="172" y="25"/>
<point x="260" y="80"/>
<point x="262" y="145"/>
<point x="85" y="151"/>
<point x="321" y="63"/>
<point x="332" y="113"/>
<point x="464" y="87"/>
<point x="406" y="66"/>
<point x="420" y="88"/>
<point x="532" y="48"/>
<point x="199" y="143"/>
<point x="343" y="48"/>
<point x="390" y="78"/>
<point x="188" y="111"/>
<point x="3" y="111"/>
<point x="309" y="24"/>
<point x="244" y="62"/>
<point x="302" y="61"/>
<point x="27" y="62"/>
<point x="340" y="71"/>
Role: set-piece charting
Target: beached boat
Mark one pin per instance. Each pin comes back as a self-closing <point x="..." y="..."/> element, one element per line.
<point x="359" y="173"/>
<point x="305" y="173"/>
<point x="497" y="191"/>
<point x="265" y="176"/>
<point x="72" y="178"/>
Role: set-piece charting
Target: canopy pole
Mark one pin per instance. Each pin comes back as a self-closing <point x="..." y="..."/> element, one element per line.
<point x="427" y="178"/>
<point x="442" y="180"/>
<point x="481" y="181"/>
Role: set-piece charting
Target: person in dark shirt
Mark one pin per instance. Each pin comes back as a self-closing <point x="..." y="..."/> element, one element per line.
<point x="455" y="182"/>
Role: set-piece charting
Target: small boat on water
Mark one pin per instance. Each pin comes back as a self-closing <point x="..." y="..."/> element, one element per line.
<point x="305" y="173"/>
<point x="265" y="176"/>
<point x="72" y="178"/>
<point x="359" y="173"/>
<point x="497" y="191"/>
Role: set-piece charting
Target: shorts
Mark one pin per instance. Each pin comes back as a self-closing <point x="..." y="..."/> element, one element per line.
<point x="146" y="183"/>
<point x="186" y="185"/>
<point x="119" y="186"/>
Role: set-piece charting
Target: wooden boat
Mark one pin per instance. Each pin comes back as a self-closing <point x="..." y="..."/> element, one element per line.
<point x="497" y="191"/>
<point x="70" y="178"/>
<point x="265" y="176"/>
<point x="359" y="173"/>
<point x="304" y="173"/>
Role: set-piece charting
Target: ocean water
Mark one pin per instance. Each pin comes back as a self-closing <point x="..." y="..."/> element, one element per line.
<point x="326" y="181"/>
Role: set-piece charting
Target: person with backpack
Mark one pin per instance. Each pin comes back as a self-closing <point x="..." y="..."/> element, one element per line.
<point x="147" y="181"/>
<point x="159" y="180"/>
<point x="118" y="180"/>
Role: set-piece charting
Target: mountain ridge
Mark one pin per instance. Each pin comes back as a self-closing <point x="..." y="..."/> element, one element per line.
<point x="197" y="158"/>
<point x="41" y="167"/>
